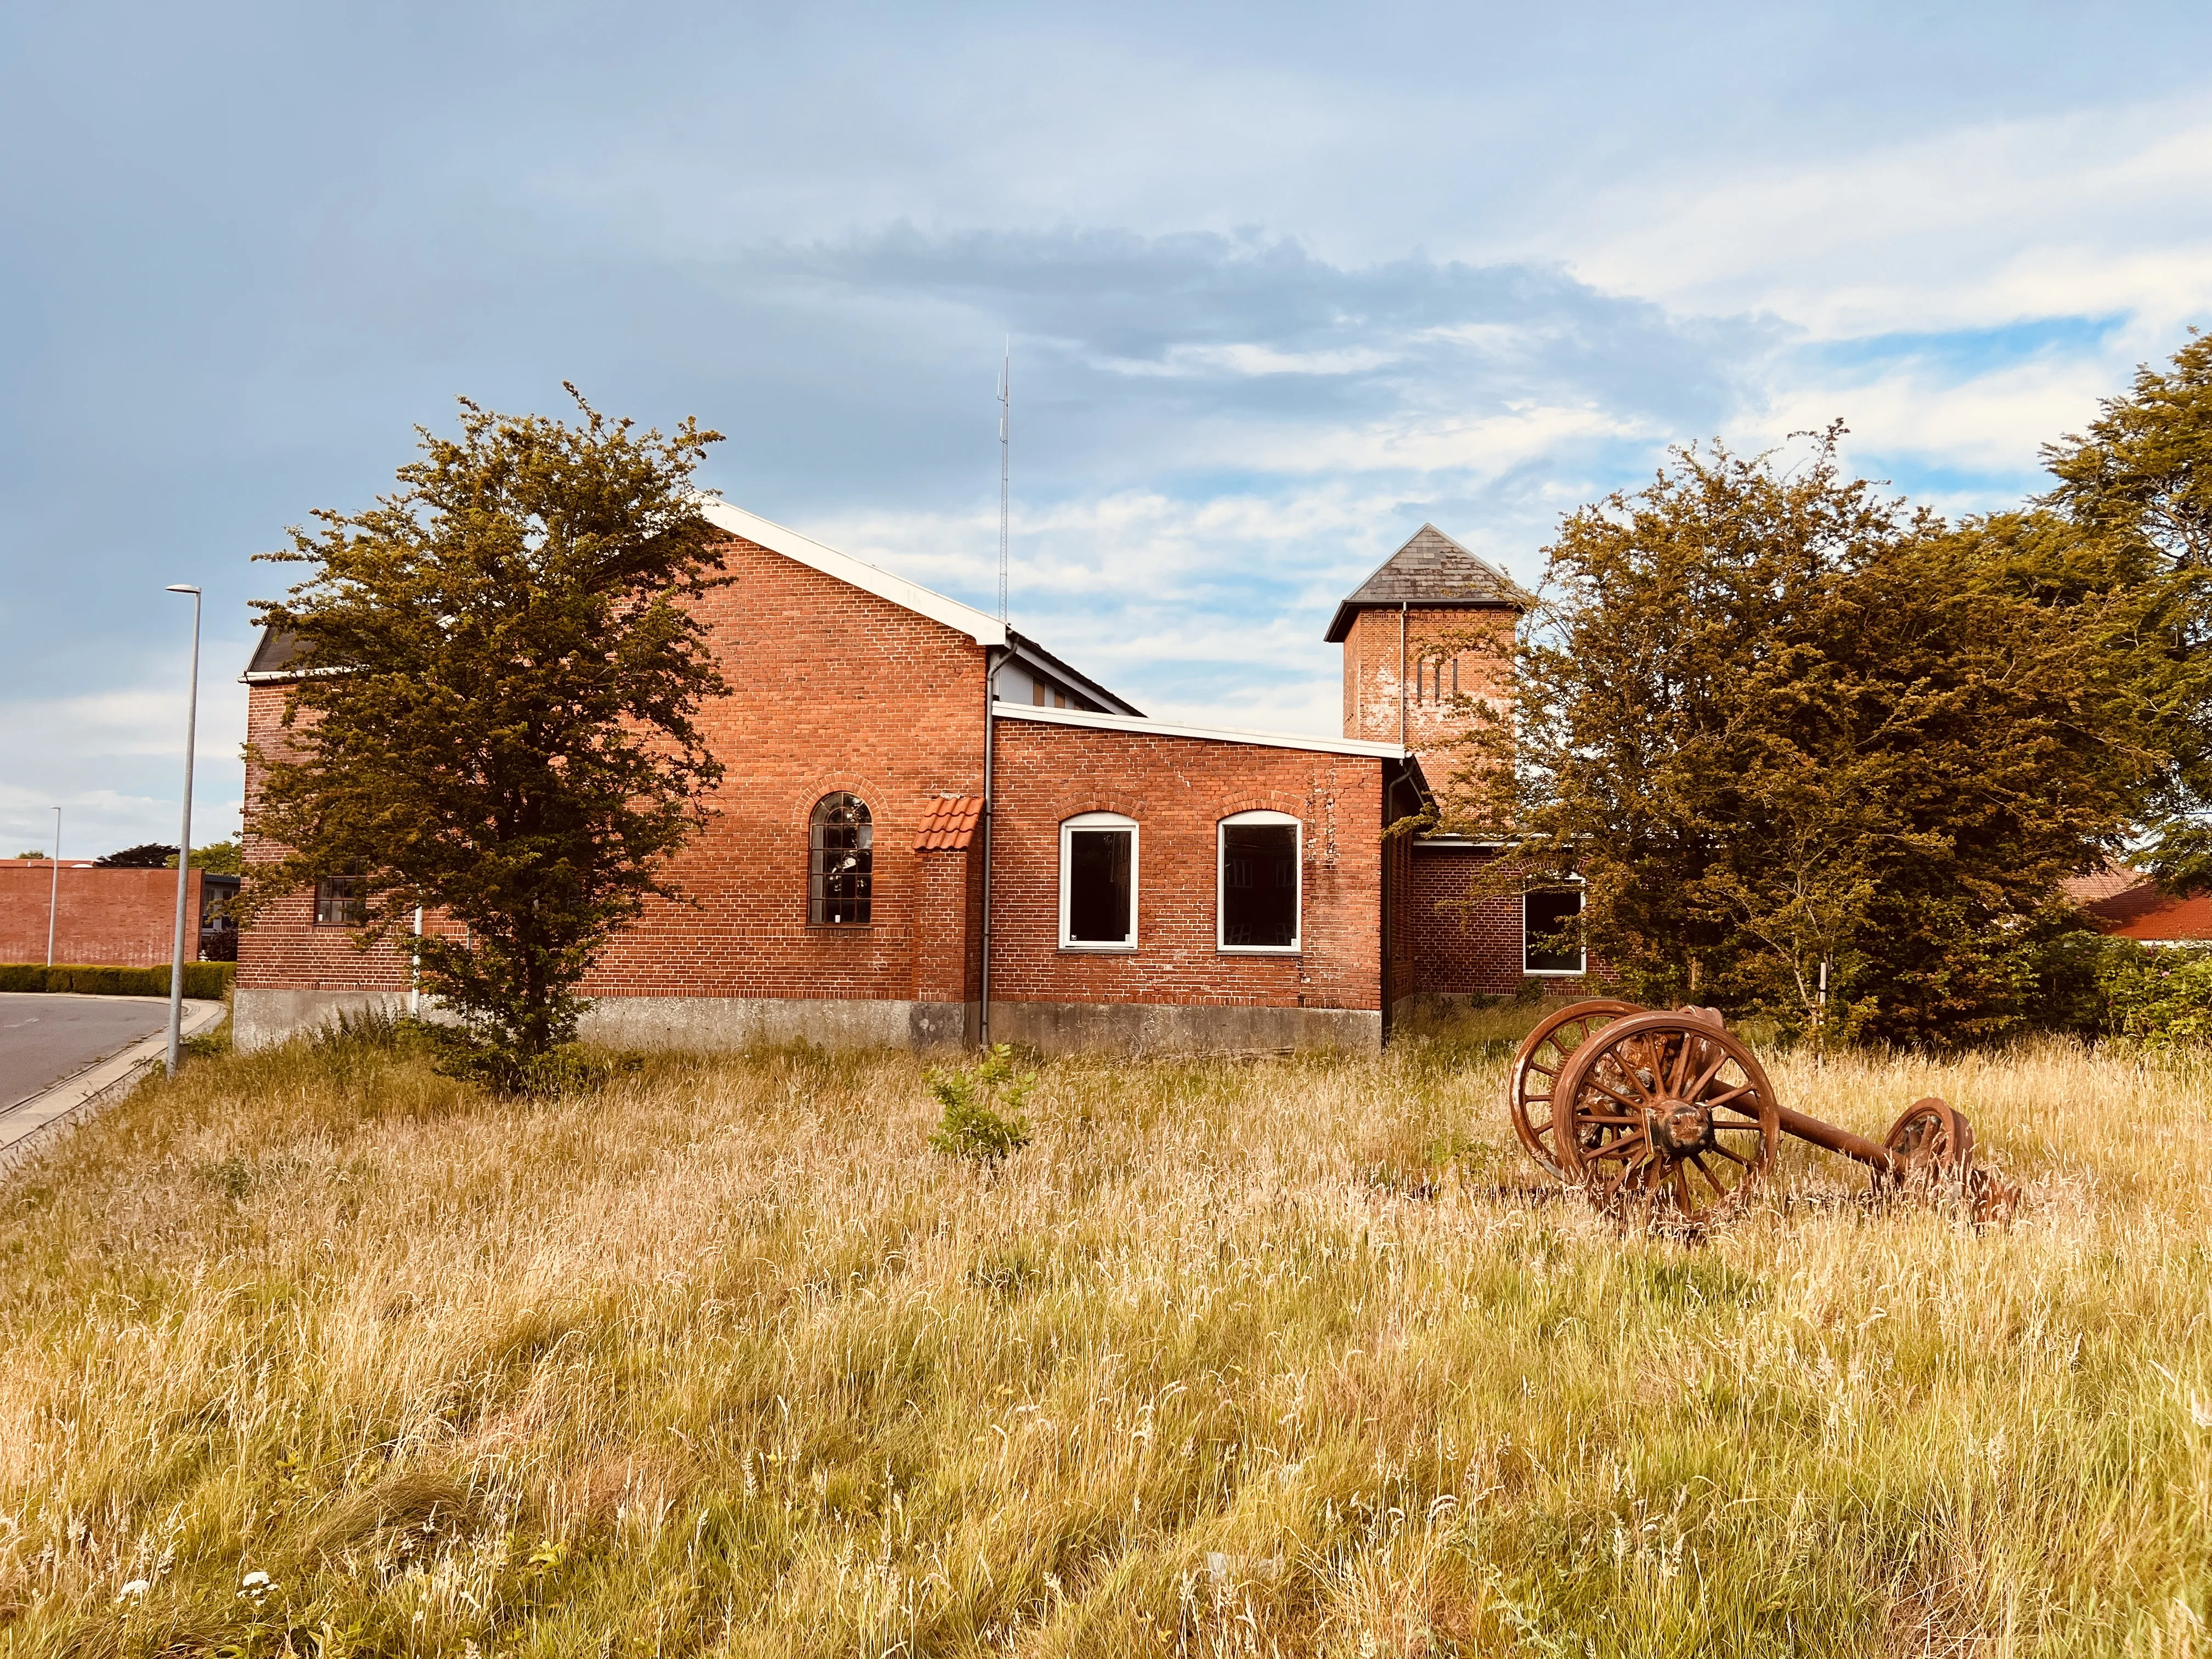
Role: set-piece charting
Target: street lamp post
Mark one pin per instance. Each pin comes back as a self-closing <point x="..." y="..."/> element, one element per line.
<point x="185" y="839"/>
<point x="54" y="892"/>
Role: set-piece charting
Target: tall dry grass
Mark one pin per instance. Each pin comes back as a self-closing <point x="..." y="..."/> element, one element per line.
<point x="1293" y="1356"/>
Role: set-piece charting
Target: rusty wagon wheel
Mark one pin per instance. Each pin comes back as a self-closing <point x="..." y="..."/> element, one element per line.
<point x="1667" y="1112"/>
<point x="1537" y="1064"/>
<point x="1931" y="1143"/>
<point x="1932" y="1147"/>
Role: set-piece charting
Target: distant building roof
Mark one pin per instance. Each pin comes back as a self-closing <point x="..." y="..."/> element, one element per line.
<point x="2128" y="904"/>
<point x="1431" y="570"/>
<point x="2107" y="882"/>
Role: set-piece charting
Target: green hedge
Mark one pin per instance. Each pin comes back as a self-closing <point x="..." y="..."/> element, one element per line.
<point x="210" y="980"/>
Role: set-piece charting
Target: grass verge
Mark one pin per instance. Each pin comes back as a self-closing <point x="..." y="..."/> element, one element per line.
<point x="1290" y="1356"/>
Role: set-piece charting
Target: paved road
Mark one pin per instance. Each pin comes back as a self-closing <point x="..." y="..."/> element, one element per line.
<point x="46" y="1036"/>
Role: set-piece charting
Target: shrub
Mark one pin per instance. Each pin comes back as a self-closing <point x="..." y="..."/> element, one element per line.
<point x="209" y="979"/>
<point x="983" y="1106"/>
<point x="2161" y="997"/>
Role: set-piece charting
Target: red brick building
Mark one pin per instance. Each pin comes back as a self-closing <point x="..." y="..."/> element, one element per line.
<point x="931" y="829"/>
<point x="110" y="917"/>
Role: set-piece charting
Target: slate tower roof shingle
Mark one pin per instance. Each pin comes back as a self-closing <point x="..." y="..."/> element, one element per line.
<point x="1435" y="572"/>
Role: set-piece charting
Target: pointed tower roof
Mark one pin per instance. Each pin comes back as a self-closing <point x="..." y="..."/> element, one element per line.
<point x="1431" y="570"/>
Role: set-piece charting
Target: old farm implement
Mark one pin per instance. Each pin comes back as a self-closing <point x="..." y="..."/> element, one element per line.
<point x="1667" y="1111"/>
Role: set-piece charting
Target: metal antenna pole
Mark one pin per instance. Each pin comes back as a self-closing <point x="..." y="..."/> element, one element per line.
<point x="184" y="841"/>
<point x="54" y="897"/>
<point x="1006" y="422"/>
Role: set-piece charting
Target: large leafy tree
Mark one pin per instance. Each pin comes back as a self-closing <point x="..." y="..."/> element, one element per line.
<point x="501" y="666"/>
<point x="2139" y="482"/>
<point x="1774" y="719"/>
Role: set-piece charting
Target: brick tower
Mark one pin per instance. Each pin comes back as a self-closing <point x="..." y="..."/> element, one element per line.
<point x="1399" y="629"/>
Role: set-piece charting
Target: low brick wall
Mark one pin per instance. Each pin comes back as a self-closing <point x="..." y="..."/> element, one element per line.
<point x="124" y="917"/>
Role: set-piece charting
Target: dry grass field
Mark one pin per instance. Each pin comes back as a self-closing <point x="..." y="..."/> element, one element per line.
<point x="315" y="1351"/>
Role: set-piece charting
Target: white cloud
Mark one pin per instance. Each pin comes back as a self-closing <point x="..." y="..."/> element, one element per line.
<point x="1249" y="358"/>
<point x="1993" y="422"/>
<point x="113" y="762"/>
<point x="2083" y="214"/>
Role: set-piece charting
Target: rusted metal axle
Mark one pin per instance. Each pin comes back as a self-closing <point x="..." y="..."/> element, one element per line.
<point x="1670" y="1110"/>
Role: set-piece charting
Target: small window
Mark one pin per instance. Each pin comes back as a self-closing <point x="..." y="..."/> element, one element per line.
<point x="1258" y="896"/>
<point x="840" y="842"/>
<point x="1551" y="932"/>
<point x="1098" y="883"/>
<point x="341" y="902"/>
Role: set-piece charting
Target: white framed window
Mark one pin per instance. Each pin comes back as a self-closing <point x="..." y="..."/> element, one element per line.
<point x="1257" y="885"/>
<point x="1546" y="920"/>
<point x="1098" y="883"/>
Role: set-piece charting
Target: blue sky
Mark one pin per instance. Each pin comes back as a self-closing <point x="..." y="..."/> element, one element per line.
<point x="1282" y="282"/>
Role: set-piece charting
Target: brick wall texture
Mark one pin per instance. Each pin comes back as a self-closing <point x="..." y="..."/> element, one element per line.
<point x="1434" y="666"/>
<point x="835" y="689"/>
<point x="114" y="918"/>
<point x="1463" y="944"/>
<point x="1178" y="790"/>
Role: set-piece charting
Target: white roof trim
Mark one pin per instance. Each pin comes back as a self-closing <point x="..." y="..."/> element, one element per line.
<point x="868" y="578"/>
<point x="1149" y="728"/>
<point x="267" y="676"/>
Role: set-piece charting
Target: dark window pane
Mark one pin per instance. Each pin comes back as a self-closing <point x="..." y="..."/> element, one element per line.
<point x="1098" y="886"/>
<point x="1260" y="884"/>
<point x="840" y="863"/>
<point x="1550" y="938"/>
<point x="340" y="903"/>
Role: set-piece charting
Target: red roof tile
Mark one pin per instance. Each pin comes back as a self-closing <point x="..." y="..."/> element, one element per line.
<point x="2145" y="912"/>
<point x="948" y="823"/>
<point x="2109" y="882"/>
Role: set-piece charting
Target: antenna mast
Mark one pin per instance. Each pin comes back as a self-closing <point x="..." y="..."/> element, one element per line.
<point x="1006" y="417"/>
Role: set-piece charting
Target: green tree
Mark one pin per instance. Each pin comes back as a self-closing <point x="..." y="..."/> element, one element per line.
<point x="2139" y="482"/>
<point x="217" y="858"/>
<point x="1774" y="719"/>
<point x="146" y="855"/>
<point x="501" y="666"/>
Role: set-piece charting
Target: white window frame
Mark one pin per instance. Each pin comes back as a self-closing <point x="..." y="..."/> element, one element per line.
<point x="1221" y="885"/>
<point x="1099" y="821"/>
<point x="1582" y="940"/>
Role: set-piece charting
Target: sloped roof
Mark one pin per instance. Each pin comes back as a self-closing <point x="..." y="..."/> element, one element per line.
<point x="948" y="823"/>
<point x="2145" y="911"/>
<point x="1431" y="570"/>
<point x="856" y="573"/>
<point x="2109" y="882"/>
<point x="274" y="653"/>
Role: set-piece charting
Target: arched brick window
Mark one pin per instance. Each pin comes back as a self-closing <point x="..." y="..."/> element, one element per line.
<point x="840" y="862"/>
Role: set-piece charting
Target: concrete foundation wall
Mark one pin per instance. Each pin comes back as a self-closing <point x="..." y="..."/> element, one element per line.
<point x="260" y="1017"/>
<point x="704" y="1023"/>
<point x="1140" y="1028"/>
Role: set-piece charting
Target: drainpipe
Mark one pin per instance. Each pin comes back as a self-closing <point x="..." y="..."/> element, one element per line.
<point x="414" y="970"/>
<point x="1401" y="673"/>
<point x="991" y="660"/>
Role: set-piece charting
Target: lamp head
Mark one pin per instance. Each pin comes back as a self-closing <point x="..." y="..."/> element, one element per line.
<point x="182" y="587"/>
